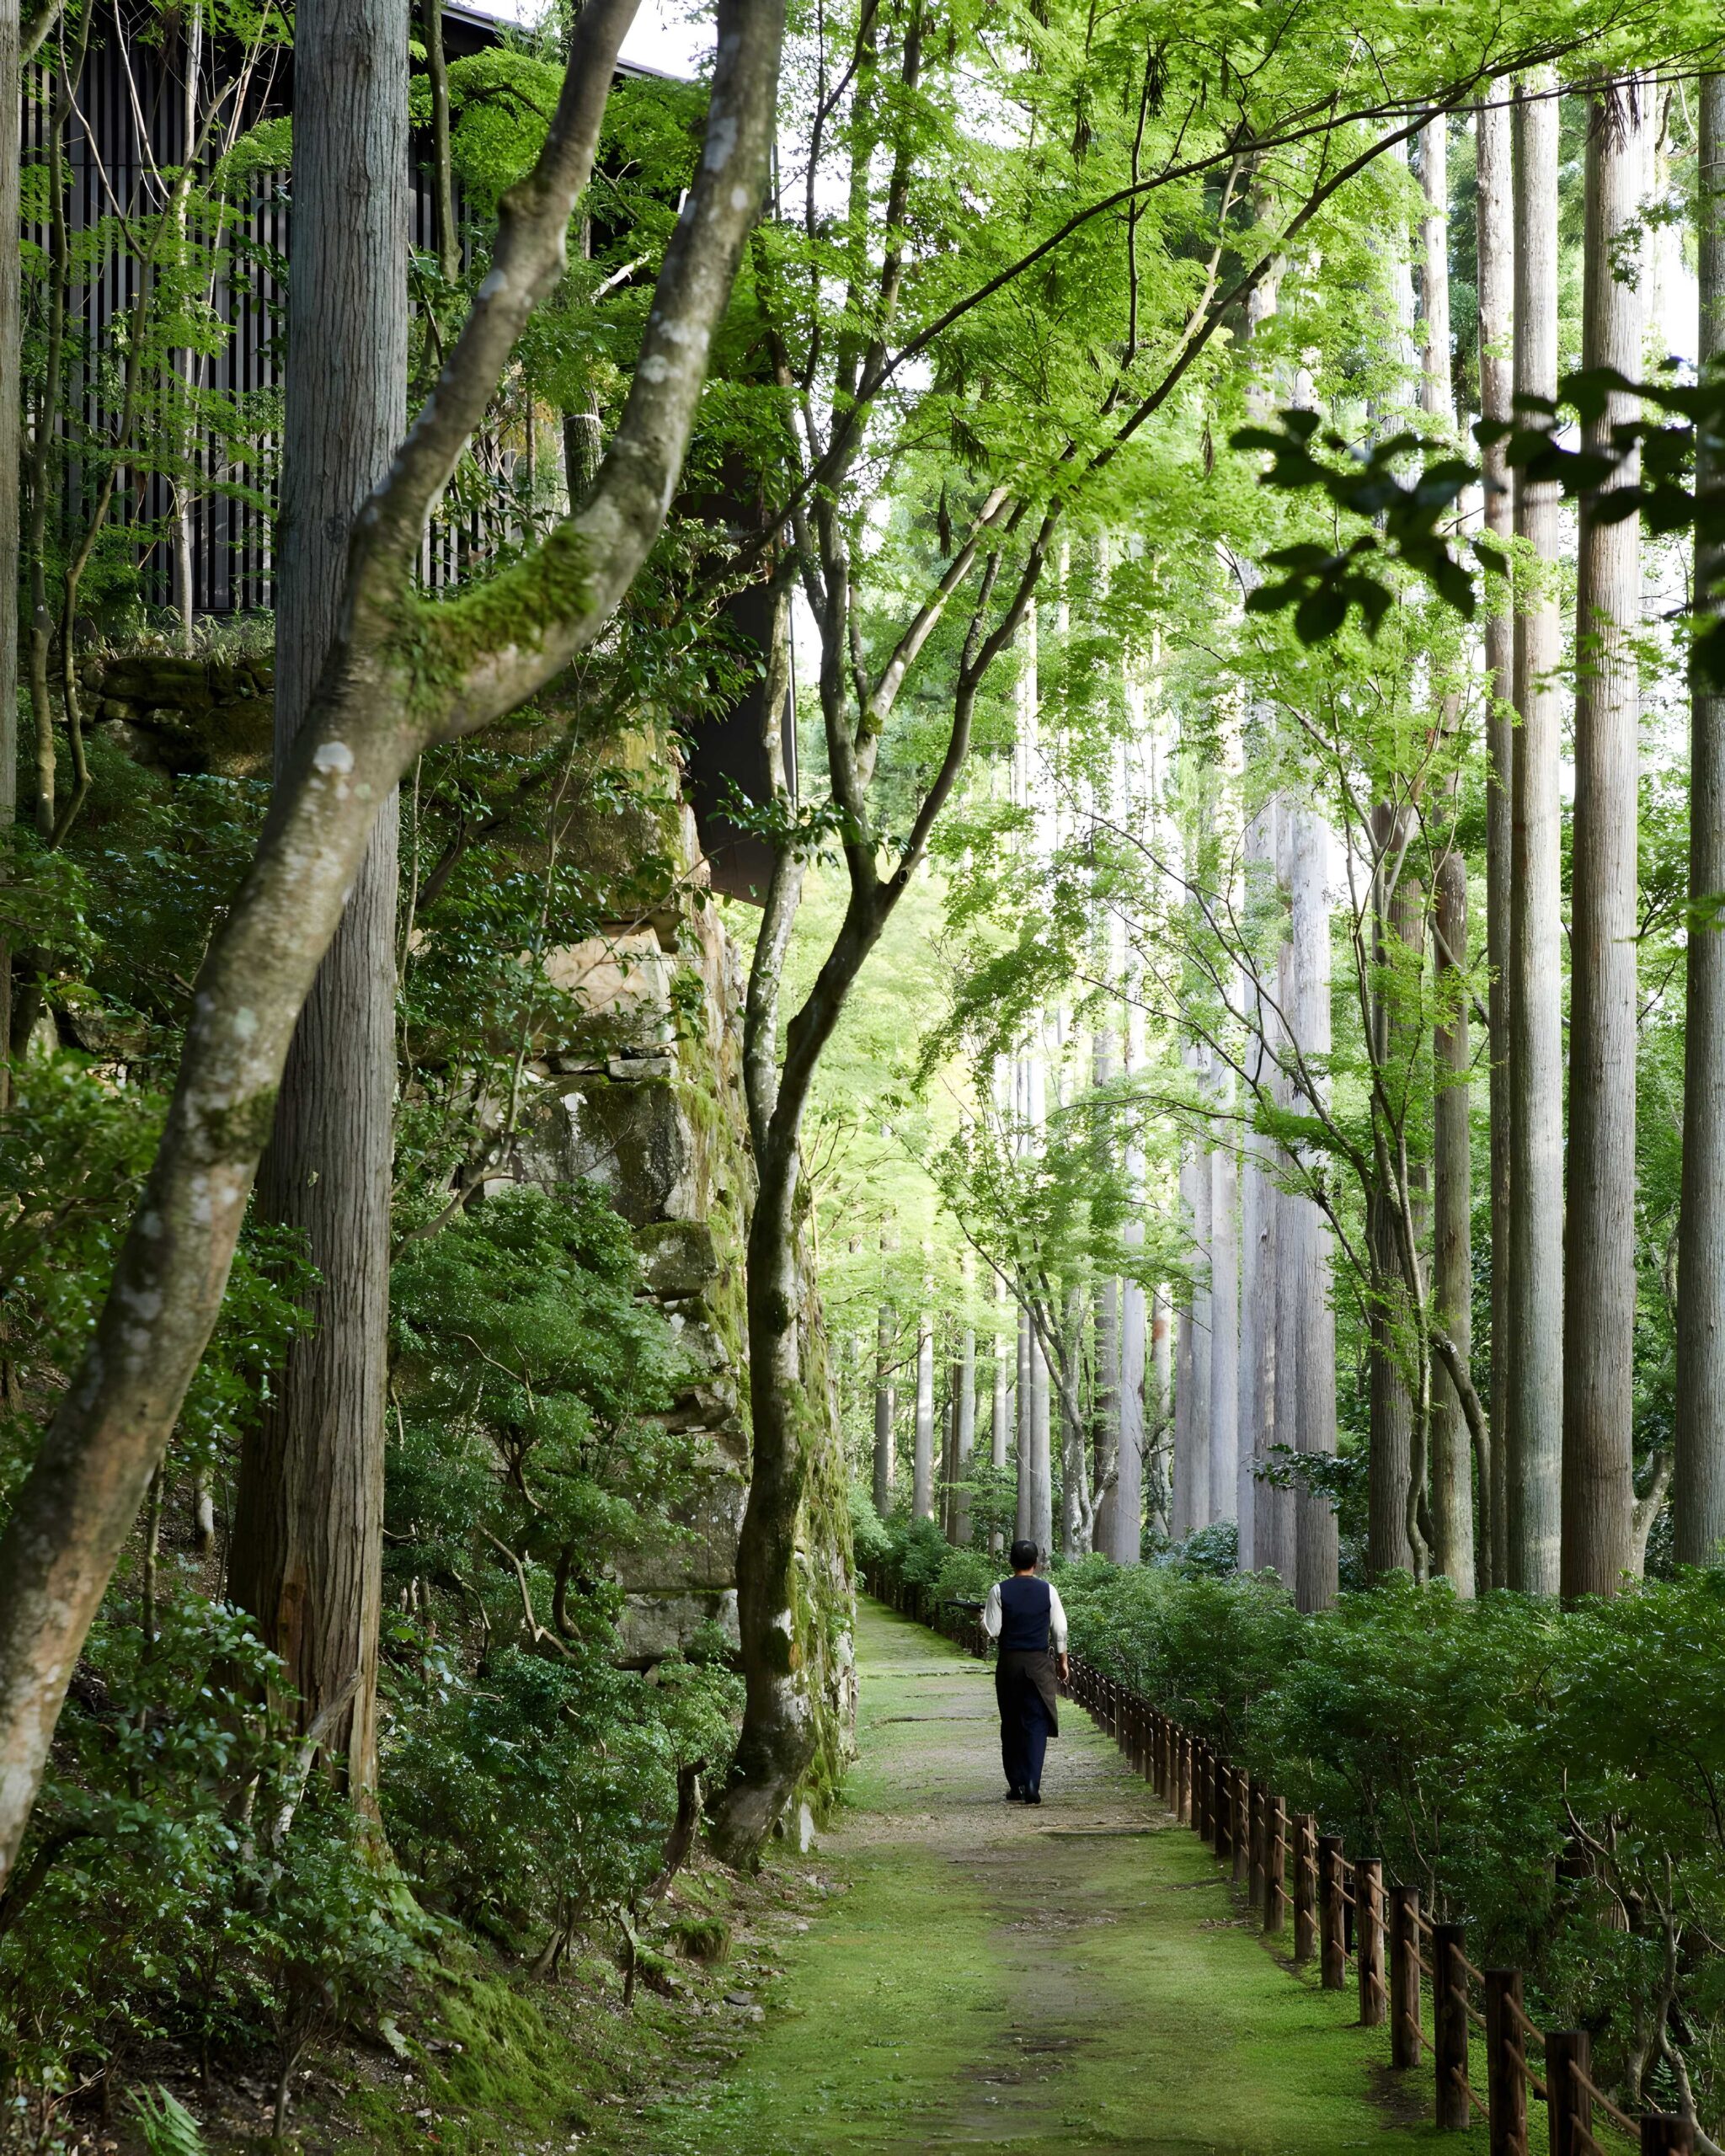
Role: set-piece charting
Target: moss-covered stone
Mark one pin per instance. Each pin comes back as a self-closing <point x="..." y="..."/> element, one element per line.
<point x="645" y="1097"/>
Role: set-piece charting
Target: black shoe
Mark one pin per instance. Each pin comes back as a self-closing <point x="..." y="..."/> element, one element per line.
<point x="1033" y="1796"/>
<point x="1015" y="1796"/>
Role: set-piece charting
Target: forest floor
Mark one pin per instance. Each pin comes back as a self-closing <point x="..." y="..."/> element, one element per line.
<point x="982" y="1976"/>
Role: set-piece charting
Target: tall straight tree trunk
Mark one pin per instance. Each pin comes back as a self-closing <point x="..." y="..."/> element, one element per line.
<point x="1106" y="1417"/>
<point x="1126" y="1546"/>
<point x="1699" y="1490"/>
<point x="309" y="1516"/>
<point x="885" y="1409"/>
<point x="1258" y="1218"/>
<point x="1452" y="1247"/>
<point x="1307" y="1270"/>
<point x="1495" y="226"/>
<point x="1024" y="1516"/>
<point x="1452" y="1151"/>
<point x="1002" y="1400"/>
<point x="1399" y="911"/>
<point x="1126" y="1524"/>
<point x="1158" y="1497"/>
<point x="1042" y="1480"/>
<point x="11" y="427"/>
<point x="966" y="1432"/>
<point x="1598" y="1257"/>
<point x="1277" y="1531"/>
<point x="1191" y="1505"/>
<point x="922" y="1457"/>
<point x="1534" y="1435"/>
<point x="1076" y="1518"/>
<point x="1263" y="1514"/>
<point x="185" y="362"/>
<point x="1125" y="1542"/>
<point x="1261" y="1507"/>
<point x="1180" y="1445"/>
<point x="947" y="1480"/>
<point x="1436" y="394"/>
<point x="1223" y="1333"/>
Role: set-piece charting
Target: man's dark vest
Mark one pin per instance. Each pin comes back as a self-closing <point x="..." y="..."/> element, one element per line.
<point x="1025" y="1603"/>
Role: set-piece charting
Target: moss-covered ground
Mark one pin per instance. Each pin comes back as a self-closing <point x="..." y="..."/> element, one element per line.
<point x="1073" y="1978"/>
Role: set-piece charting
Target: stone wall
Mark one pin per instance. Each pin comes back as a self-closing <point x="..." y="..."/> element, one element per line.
<point x="194" y="716"/>
<point x="646" y="1099"/>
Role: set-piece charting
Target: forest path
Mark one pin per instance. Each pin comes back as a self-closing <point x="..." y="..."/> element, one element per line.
<point x="1076" y="1977"/>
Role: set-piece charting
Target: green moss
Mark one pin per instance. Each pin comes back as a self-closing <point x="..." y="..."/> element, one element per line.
<point x="439" y="640"/>
<point x="701" y="1938"/>
<point x="237" y="1133"/>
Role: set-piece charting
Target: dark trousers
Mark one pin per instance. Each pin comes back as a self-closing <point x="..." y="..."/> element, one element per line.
<point x="1025" y="1727"/>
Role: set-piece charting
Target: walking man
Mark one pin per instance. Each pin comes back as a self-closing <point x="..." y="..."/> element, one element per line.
<point x="1024" y="1614"/>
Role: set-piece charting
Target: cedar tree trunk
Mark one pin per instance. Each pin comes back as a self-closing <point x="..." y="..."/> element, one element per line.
<point x="1306" y="1269"/>
<point x="1534" y="1436"/>
<point x="885" y="1408"/>
<point x="1598" y="1257"/>
<point x="1495" y="226"/>
<point x="308" y="1508"/>
<point x="1699" y="1491"/>
<point x="1452" y="1153"/>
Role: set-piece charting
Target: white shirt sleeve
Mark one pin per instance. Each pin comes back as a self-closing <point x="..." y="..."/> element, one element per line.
<point x="1056" y="1620"/>
<point x="991" y="1612"/>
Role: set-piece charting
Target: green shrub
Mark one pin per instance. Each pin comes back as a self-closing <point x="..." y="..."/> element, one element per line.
<point x="182" y="1881"/>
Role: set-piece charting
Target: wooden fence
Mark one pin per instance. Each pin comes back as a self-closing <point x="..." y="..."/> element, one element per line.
<point x="1345" y="1916"/>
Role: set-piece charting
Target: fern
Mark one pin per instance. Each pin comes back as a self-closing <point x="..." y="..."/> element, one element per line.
<point x="168" y="2128"/>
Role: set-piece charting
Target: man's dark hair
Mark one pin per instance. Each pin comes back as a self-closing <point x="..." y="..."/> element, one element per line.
<point x="1023" y="1556"/>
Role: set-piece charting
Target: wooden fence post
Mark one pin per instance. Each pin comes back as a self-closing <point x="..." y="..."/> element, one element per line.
<point x="1506" y="2076"/>
<point x="1275" y="1866"/>
<point x="1450" y="2026"/>
<point x="1254" y="1827"/>
<point x="1242" y="1827"/>
<point x="1225" y="1812"/>
<point x="1305" y="1887"/>
<point x="1404" y="1976"/>
<point x="1332" y="1914"/>
<point x="1200" y="1790"/>
<point x="1663" y="2133"/>
<point x="1569" y="2053"/>
<point x="1368" y="1939"/>
<point x="1182" y="1789"/>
